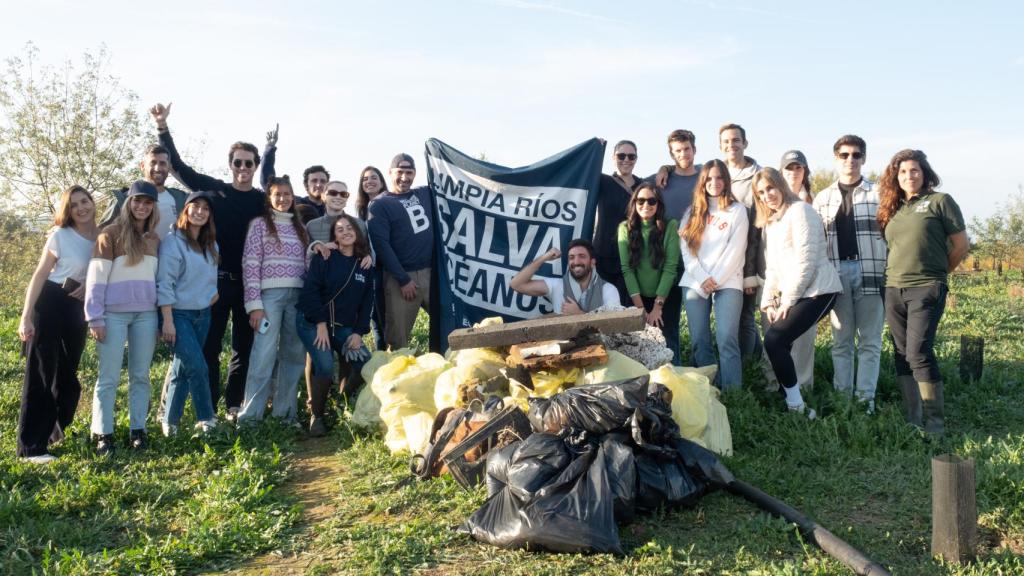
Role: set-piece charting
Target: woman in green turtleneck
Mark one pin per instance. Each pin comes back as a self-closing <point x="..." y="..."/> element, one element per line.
<point x="649" y="252"/>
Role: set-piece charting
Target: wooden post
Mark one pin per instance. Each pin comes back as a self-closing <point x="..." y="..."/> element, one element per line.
<point x="972" y="357"/>
<point x="954" y="512"/>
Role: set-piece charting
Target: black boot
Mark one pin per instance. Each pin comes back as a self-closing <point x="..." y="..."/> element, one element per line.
<point x="317" y="390"/>
<point x="139" y="439"/>
<point x="104" y="444"/>
<point x="911" y="400"/>
<point x="932" y="407"/>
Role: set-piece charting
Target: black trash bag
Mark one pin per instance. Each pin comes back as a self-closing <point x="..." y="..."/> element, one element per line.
<point x="622" y="475"/>
<point x="704" y="463"/>
<point x="573" y="513"/>
<point x="596" y="408"/>
<point x="662" y="481"/>
<point x="497" y="468"/>
<point x="530" y="465"/>
<point x="671" y="471"/>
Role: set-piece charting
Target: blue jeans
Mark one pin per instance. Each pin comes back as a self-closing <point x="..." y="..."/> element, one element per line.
<point x="861" y="316"/>
<point x="323" y="360"/>
<point x="139" y="330"/>
<point x="279" y="344"/>
<point x="727" y="303"/>
<point x="189" y="374"/>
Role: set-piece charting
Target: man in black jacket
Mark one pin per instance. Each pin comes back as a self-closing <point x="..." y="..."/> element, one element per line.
<point x="235" y="204"/>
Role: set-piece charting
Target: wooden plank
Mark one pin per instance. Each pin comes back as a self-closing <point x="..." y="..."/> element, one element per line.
<point x="547" y="328"/>
<point x="578" y="358"/>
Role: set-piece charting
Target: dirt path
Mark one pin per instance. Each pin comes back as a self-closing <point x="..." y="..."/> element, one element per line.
<point x="313" y="483"/>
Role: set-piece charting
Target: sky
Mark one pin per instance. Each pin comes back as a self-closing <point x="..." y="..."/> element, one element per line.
<point x="354" y="83"/>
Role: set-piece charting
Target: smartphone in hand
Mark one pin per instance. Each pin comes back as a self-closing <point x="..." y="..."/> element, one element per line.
<point x="264" y="325"/>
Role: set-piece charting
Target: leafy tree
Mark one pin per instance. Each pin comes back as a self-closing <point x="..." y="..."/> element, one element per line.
<point x="63" y="126"/>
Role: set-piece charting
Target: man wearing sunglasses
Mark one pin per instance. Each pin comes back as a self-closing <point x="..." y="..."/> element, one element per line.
<point x="612" y="200"/>
<point x="235" y="203"/>
<point x="849" y="209"/>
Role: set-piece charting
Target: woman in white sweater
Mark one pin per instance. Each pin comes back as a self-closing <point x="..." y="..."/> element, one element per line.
<point x="797" y="175"/>
<point x="801" y="285"/>
<point x="713" y="239"/>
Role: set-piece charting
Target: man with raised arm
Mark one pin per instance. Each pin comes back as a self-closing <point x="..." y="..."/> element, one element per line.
<point x="235" y="203"/>
<point x="314" y="178"/>
<point x="580" y="289"/>
<point x="401" y="231"/>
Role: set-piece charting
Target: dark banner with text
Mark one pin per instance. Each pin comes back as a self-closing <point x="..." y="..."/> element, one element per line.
<point x="490" y="221"/>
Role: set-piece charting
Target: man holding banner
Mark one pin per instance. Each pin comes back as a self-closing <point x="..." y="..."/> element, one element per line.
<point x="402" y="235"/>
<point x="579" y="291"/>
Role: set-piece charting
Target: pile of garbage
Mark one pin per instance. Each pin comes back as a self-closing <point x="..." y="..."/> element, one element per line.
<point x="572" y="436"/>
<point x="600" y="454"/>
<point x="406" y="393"/>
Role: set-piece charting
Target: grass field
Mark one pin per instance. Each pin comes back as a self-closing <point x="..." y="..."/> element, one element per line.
<point x="240" y="501"/>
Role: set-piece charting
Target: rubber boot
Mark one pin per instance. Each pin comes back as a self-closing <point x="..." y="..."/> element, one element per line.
<point x="351" y="380"/>
<point x="317" y="390"/>
<point x="932" y="407"/>
<point x="911" y="400"/>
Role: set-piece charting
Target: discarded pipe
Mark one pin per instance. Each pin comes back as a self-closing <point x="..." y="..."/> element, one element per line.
<point x="833" y="545"/>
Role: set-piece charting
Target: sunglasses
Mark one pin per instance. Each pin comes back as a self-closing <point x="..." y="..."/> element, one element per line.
<point x="845" y="155"/>
<point x="622" y="156"/>
<point x="648" y="201"/>
<point x="333" y="193"/>
<point x="237" y="163"/>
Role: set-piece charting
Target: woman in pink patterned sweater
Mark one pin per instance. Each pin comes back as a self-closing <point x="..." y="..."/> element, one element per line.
<point x="273" y="266"/>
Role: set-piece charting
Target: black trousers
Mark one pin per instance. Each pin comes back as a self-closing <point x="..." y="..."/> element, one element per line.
<point x="913" y="315"/>
<point x="780" y="335"/>
<point x="50" y="391"/>
<point x="610" y="271"/>
<point x="670" y="313"/>
<point x="231" y="302"/>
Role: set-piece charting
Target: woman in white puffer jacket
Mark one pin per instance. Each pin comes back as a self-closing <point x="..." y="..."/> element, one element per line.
<point x="801" y="285"/>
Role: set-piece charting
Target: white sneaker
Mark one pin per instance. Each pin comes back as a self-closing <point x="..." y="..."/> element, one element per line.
<point x="168" y="429"/>
<point x="205" y="426"/>
<point x="42" y="459"/>
<point x="803" y="409"/>
<point x="232" y="415"/>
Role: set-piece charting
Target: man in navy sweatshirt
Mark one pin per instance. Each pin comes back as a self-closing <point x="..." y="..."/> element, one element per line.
<point x="401" y="230"/>
<point x="234" y="205"/>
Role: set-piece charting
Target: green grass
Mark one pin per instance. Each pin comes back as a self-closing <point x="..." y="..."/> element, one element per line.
<point x="191" y="505"/>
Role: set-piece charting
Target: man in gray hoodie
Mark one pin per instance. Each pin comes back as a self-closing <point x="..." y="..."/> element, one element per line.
<point x="732" y="140"/>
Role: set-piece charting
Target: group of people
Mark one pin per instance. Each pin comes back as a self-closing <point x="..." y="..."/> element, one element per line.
<point x="302" y="282"/>
<point x="728" y="237"/>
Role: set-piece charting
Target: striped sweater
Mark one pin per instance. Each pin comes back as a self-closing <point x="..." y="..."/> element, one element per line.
<point x="111" y="285"/>
<point x="269" y="262"/>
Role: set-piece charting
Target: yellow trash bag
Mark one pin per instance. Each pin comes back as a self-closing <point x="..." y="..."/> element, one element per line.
<point x="695" y="406"/>
<point x="718" y="434"/>
<point x="691" y="398"/>
<point x="470" y="364"/>
<point x="366" y="413"/>
<point x="618" y="367"/>
<point x="405" y="387"/>
<point x="545" y="385"/>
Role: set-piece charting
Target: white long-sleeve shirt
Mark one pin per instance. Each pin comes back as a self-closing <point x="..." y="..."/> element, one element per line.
<point x="721" y="250"/>
<point x="796" y="258"/>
